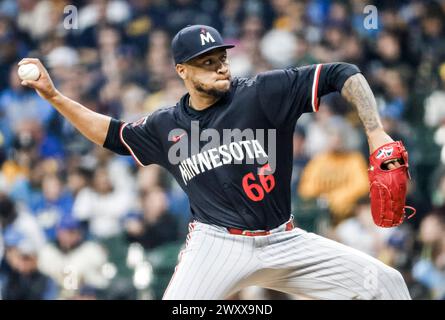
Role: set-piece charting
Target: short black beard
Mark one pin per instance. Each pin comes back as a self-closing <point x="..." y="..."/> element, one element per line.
<point x="210" y="92"/>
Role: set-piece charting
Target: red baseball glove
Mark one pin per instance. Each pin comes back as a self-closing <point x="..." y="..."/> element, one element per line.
<point x="388" y="186"/>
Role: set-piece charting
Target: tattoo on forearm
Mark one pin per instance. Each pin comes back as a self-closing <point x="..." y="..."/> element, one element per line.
<point x="356" y="91"/>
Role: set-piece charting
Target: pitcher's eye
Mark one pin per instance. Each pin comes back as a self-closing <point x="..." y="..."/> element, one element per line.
<point x="208" y="62"/>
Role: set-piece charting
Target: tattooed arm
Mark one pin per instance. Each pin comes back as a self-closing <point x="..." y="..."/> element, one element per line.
<point x="356" y="91"/>
<point x="347" y="79"/>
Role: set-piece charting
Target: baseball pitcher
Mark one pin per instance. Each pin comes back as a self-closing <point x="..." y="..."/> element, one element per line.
<point x="242" y="232"/>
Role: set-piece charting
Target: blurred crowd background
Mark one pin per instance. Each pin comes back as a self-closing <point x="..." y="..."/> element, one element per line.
<point x="78" y="222"/>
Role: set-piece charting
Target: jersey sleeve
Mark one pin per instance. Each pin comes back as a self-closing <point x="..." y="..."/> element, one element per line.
<point x="285" y="94"/>
<point x="140" y="139"/>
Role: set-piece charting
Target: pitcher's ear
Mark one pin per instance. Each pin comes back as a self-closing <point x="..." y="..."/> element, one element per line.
<point x="181" y="70"/>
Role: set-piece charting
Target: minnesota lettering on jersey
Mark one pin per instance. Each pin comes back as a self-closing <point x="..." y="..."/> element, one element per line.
<point x="199" y="151"/>
<point x="216" y="157"/>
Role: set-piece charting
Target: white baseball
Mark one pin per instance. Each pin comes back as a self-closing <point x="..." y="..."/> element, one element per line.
<point x="28" y="72"/>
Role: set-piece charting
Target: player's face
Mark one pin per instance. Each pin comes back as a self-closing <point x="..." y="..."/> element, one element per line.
<point x="209" y="73"/>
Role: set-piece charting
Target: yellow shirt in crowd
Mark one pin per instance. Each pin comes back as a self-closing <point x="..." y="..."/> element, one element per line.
<point x="340" y="178"/>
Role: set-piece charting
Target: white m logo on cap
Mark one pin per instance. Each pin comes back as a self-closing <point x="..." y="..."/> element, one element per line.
<point x="206" y="38"/>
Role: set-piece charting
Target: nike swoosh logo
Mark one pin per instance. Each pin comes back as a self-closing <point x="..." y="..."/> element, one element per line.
<point x="177" y="138"/>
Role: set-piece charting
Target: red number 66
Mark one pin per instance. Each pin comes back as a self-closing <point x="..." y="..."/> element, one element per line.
<point x="255" y="191"/>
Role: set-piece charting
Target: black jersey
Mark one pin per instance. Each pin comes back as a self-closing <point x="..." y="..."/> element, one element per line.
<point x="233" y="183"/>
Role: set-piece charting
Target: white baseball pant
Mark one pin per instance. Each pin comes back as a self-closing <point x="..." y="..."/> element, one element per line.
<point x="215" y="264"/>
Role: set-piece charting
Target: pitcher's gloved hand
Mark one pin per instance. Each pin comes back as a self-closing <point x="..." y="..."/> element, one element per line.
<point x="388" y="178"/>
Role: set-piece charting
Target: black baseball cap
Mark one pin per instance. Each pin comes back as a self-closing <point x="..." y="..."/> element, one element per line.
<point x="195" y="40"/>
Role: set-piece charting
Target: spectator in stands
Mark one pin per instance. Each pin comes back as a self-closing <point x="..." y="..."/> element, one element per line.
<point x="338" y="175"/>
<point x="118" y="169"/>
<point x="438" y="191"/>
<point x="24" y="155"/>
<point x="73" y="261"/>
<point x="300" y="158"/>
<point x="149" y="178"/>
<point x="317" y="137"/>
<point x="18" y="104"/>
<point x="157" y="226"/>
<point x="20" y="279"/>
<point x="360" y="232"/>
<point x="78" y="178"/>
<point x="55" y="204"/>
<point x="430" y="269"/>
<point x="103" y="206"/>
<point x="15" y="217"/>
<point x="435" y="113"/>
